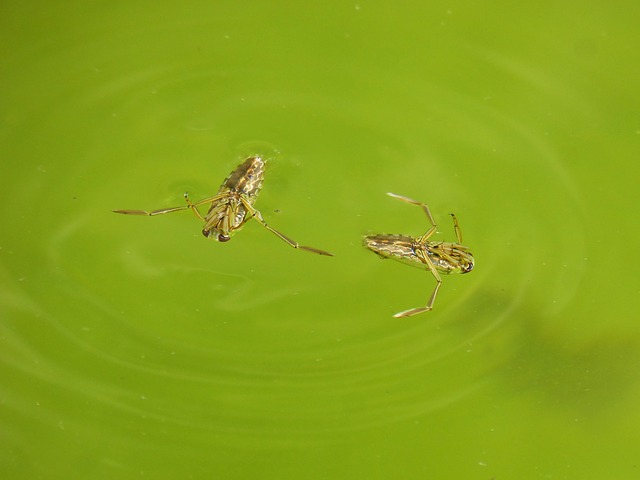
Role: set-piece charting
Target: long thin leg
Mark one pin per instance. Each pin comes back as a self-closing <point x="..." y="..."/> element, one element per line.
<point x="456" y="228"/>
<point x="153" y="212"/>
<point x="204" y="200"/>
<point x="432" y="298"/>
<point x="258" y="216"/>
<point x="162" y="211"/>
<point x="193" y="206"/>
<point x="425" y="209"/>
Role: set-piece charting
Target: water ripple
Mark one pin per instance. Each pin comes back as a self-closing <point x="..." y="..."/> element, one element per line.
<point x="152" y="333"/>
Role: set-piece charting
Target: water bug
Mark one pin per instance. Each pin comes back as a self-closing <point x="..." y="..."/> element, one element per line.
<point x="232" y="206"/>
<point x="437" y="257"/>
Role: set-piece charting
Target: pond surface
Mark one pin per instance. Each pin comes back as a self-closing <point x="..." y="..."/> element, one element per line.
<point x="134" y="347"/>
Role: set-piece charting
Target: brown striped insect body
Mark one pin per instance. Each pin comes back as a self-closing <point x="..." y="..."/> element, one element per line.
<point x="232" y="206"/>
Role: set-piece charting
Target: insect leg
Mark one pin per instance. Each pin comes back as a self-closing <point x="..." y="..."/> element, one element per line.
<point x="192" y="205"/>
<point x="425" y="209"/>
<point x="258" y="216"/>
<point x="432" y="298"/>
<point x="162" y="211"/>
<point x="456" y="227"/>
<point x="151" y="213"/>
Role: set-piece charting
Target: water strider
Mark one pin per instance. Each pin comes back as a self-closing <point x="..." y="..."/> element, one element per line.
<point x="438" y="257"/>
<point x="232" y="206"/>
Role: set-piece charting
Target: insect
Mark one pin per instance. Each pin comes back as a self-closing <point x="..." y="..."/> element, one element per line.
<point x="438" y="257"/>
<point x="232" y="206"/>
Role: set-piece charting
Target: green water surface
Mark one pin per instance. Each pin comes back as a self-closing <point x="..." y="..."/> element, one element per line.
<point x="133" y="347"/>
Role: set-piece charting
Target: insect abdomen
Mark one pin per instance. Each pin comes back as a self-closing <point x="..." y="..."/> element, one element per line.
<point x="398" y="247"/>
<point x="246" y="179"/>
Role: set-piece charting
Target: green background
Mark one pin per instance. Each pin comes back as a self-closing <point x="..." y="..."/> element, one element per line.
<point x="133" y="347"/>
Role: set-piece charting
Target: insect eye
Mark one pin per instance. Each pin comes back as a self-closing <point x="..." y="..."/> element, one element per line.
<point x="468" y="268"/>
<point x="206" y="232"/>
<point x="223" y="238"/>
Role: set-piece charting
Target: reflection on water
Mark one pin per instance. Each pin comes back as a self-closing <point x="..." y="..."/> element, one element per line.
<point x="122" y="331"/>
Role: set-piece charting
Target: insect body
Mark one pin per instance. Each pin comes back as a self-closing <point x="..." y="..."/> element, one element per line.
<point x="232" y="206"/>
<point x="438" y="257"/>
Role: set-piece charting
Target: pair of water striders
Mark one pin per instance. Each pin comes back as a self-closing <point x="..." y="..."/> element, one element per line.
<point x="233" y="206"/>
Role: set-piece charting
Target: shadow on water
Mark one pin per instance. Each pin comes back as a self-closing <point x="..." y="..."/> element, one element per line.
<point x="534" y="360"/>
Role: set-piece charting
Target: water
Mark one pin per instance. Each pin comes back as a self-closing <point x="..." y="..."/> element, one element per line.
<point x="134" y="347"/>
